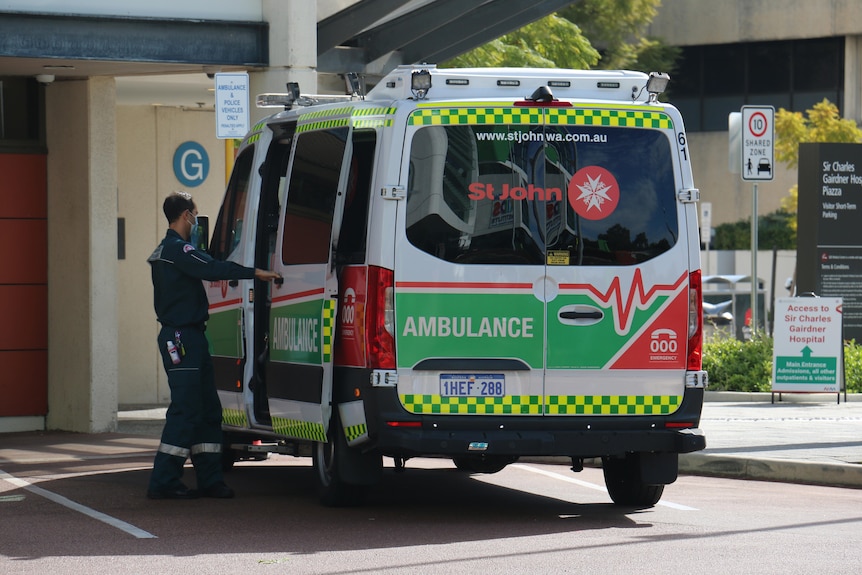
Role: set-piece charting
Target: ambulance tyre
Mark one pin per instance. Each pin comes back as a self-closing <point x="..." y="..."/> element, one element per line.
<point x="329" y="460"/>
<point x="624" y="483"/>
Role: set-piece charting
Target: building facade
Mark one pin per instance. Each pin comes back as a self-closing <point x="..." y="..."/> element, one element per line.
<point x="782" y="53"/>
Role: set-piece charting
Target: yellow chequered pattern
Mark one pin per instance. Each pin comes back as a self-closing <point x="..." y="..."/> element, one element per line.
<point x="510" y="404"/>
<point x="612" y="404"/>
<point x="234" y="417"/>
<point x="533" y="116"/>
<point x="478" y="115"/>
<point x="599" y="117"/>
<point x="328" y="328"/>
<point x="352" y="432"/>
<point x="299" y="429"/>
<point x="534" y="404"/>
<point x="324" y="119"/>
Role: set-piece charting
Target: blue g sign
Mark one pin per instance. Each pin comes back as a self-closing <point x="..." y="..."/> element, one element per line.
<point x="191" y="164"/>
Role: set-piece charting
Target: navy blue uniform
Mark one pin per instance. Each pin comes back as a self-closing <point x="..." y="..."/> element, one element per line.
<point x="193" y="421"/>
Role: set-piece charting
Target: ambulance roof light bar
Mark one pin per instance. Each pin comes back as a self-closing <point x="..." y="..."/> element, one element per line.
<point x="286" y="100"/>
<point x="293" y="98"/>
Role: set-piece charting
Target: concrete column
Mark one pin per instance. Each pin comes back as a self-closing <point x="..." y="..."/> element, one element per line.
<point x="853" y="78"/>
<point x="82" y="255"/>
<point x="292" y="51"/>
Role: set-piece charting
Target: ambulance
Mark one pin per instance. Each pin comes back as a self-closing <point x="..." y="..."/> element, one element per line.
<point x="480" y="265"/>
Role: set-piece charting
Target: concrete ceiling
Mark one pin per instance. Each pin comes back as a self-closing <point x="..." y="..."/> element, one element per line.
<point x="370" y="37"/>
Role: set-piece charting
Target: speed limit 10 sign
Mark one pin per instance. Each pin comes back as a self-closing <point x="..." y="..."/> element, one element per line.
<point x="758" y="158"/>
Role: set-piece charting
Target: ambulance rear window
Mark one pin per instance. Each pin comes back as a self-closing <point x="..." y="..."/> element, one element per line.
<point x="588" y="195"/>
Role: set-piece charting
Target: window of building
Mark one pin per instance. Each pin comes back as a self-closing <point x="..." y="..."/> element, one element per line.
<point x="713" y="81"/>
<point x="21" y="113"/>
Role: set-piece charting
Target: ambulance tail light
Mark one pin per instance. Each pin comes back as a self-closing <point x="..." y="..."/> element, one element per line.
<point x="414" y="424"/>
<point x="679" y="425"/>
<point x="695" y="322"/>
<point x="380" y="319"/>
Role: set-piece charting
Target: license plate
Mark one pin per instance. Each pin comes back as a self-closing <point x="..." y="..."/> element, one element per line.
<point x="472" y="384"/>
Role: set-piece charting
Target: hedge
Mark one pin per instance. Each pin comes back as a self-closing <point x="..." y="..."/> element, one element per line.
<point x="735" y="365"/>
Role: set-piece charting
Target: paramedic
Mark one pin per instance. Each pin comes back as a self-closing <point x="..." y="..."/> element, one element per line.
<point x="193" y="420"/>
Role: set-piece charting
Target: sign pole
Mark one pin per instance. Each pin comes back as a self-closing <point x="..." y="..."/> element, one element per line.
<point x="754" y="281"/>
<point x="758" y="165"/>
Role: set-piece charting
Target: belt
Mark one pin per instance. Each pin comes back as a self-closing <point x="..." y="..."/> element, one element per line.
<point x="197" y="326"/>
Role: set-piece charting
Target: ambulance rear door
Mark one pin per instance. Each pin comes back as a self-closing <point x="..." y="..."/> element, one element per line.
<point x="301" y="322"/>
<point x="617" y="272"/>
<point x="470" y="325"/>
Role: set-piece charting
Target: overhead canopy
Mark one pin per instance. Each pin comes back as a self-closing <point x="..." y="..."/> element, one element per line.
<point x="374" y="36"/>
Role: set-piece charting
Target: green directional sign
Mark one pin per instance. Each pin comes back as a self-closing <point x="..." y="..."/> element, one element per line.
<point x="808" y="345"/>
<point x="806" y="369"/>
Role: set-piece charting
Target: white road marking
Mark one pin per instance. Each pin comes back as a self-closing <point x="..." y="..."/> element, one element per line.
<point x="66" y="502"/>
<point x="594" y="486"/>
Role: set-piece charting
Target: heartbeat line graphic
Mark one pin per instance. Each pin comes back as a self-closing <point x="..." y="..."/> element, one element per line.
<point x="623" y="310"/>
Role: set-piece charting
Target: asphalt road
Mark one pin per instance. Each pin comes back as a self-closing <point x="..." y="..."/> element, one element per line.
<point x="68" y="515"/>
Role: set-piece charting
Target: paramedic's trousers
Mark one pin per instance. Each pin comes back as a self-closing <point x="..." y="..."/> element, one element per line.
<point x="193" y="420"/>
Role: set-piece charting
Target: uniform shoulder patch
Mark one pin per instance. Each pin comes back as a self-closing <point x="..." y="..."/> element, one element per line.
<point x="157" y="254"/>
<point x="188" y="248"/>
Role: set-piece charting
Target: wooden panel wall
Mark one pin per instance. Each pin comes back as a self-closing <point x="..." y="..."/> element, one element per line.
<point x="23" y="285"/>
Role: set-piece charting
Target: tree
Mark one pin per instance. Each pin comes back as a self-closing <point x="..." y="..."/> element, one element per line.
<point x="617" y="27"/>
<point x="547" y="43"/>
<point x="774" y="230"/>
<point x="823" y="124"/>
<point x="567" y="39"/>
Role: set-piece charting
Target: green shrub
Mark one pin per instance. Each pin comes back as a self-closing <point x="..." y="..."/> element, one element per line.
<point x="735" y="365"/>
<point x="853" y="366"/>
<point x="774" y="230"/>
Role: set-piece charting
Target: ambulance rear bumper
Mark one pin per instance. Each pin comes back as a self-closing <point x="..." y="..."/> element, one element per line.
<point x="587" y="443"/>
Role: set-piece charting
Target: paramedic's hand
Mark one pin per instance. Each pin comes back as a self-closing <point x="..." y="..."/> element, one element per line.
<point x="265" y="275"/>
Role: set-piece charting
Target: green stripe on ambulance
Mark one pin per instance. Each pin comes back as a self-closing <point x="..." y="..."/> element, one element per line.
<point x="470" y="325"/>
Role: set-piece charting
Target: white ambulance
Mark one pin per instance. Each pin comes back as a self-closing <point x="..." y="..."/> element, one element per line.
<point x="478" y="264"/>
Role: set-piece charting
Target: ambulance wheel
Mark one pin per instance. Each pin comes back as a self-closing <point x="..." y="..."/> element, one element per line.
<point x="622" y="478"/>
<point x="483" y="464"/>
<point x="327" y="459"/>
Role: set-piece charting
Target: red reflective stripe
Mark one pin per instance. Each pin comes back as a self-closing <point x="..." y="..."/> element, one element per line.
<point x="463" y="285"/>
<point x="298" y="295"/>
<point x="225" y="303"/>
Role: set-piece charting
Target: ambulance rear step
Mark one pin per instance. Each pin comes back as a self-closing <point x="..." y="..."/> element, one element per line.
<point x="298" y="449"/>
